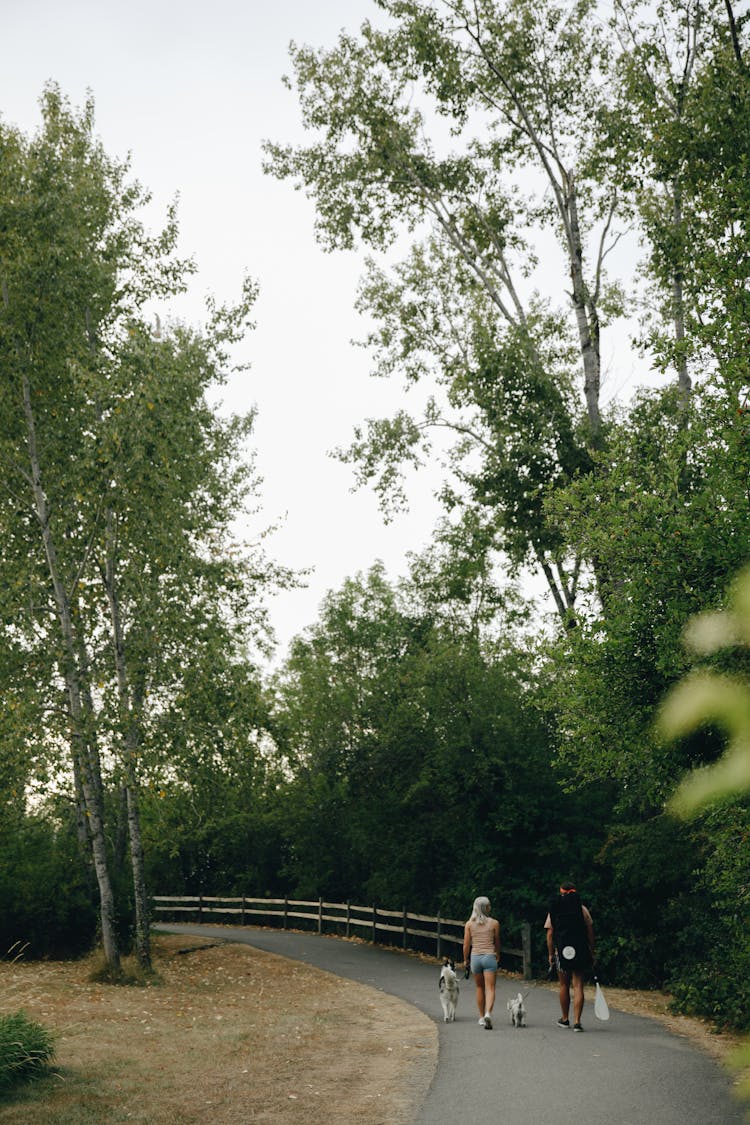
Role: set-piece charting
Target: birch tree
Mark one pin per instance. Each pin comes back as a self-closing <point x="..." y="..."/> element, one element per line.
<point x="121" y="482"/>
<point x="56" y="261"/>
<point x="174" y="477"/>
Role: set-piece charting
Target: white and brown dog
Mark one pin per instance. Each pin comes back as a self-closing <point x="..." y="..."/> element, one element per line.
<point x="448" y="986"/>
<point x="516" y="1011"/>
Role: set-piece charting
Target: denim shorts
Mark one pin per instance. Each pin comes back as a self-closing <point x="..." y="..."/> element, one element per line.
<point x="483" y="963"/>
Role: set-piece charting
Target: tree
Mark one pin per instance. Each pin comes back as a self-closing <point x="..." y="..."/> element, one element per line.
<point x="122" y="481"/>
<point x="60" y="240"/>
<point x="715" y="696"/>
<point x="646" y="134"/>
<point x="677" y="139"/>
<point x="418" y="759"/>
<point x="521" y="86"/>
<point x="666" y="518"/>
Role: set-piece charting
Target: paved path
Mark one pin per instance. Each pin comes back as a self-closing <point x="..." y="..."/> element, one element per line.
<point x="629" y="1071"/>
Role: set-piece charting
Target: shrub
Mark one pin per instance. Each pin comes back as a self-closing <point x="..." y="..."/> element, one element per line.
<point x="25" y="1049"/>
<point x="48" y="895"/>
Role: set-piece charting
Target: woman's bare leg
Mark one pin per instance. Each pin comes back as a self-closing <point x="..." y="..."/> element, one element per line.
<point x="489" y="989"/>
<point x="479" y="982"/>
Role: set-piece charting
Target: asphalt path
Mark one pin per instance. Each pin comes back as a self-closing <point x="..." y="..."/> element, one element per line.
<point x="627" y="1071"/>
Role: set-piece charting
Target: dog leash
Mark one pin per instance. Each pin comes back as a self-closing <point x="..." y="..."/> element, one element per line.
<point x="528" y="990"/>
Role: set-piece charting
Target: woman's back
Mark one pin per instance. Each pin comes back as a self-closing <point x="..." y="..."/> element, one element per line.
<point x="483" y="936"/>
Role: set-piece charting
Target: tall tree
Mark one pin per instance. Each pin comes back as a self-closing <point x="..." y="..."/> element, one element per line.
<point x="669" y="518"/>
<point x="58" y="260"/>
<point x="402" y="703"/>
<point x="521" y="86"/>
<point x="122" y="482"/>
<point x="676" y="137"/>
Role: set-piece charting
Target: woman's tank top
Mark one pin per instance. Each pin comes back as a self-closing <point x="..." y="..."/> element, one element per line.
<point x="482" y="940"/>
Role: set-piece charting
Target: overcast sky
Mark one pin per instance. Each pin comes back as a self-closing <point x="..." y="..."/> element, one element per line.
<point x="191" y="90"/>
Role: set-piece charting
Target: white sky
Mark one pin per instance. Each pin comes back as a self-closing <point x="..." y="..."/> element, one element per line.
<point x="191" y="90"/>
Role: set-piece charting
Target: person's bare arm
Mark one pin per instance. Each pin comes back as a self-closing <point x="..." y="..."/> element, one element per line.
<point x="550" y="944"/>
<point x="496" y="937"/>
<point x="467" y="943"/>
<point x="590" y="932"/>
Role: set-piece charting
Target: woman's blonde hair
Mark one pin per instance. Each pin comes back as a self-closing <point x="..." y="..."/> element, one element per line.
<point x="480" y="910"/>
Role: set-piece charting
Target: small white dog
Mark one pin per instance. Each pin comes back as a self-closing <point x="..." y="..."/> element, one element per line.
<point x="516" y="1011"/>
<point x="448" y="986"/>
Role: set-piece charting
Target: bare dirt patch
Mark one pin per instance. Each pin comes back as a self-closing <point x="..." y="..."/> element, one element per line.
<point x="229" y="1035"/>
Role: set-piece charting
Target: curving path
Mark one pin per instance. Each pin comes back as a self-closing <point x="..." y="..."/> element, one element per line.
<point x="629" y="1071"/>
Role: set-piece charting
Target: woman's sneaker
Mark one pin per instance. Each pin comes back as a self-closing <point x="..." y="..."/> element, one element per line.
<point x="488" y="1022"/>
<point x="577" y="1027"/>
<point x="481" y="1021"/>
<point x="563" y="1023"/>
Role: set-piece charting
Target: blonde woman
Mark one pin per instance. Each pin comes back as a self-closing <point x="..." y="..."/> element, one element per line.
<point x="482" y="945"/>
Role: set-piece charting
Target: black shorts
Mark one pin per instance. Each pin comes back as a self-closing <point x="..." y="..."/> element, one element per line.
<point x="580" y="963"/>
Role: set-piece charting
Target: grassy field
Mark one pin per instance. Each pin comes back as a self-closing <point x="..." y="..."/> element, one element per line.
<point x="227" y="1034"/>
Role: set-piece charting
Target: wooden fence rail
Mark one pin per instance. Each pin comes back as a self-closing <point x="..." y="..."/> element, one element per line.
<point x="343" y="917"/>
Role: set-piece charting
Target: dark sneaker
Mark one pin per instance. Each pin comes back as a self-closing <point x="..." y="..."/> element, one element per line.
<point x="563" y="1023"/>
<point x="488" y="1022"/>
<point x="577" y="1027"/>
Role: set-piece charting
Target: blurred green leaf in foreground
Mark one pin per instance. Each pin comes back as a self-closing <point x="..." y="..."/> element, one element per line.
<point x="704" y="697"/>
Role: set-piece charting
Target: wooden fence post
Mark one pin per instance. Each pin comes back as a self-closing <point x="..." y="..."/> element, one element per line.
<point x="243" y="910"/>
<point x="406" y="920"/>
<point x="374" y="925"/>
<point x="200" y="908"/>
<point x="526" y="946"/>
<point x="320" y="915"/>
<point x="348" y="918"/>
<point x="439" y="938"/>
<point x="285" y="916"/>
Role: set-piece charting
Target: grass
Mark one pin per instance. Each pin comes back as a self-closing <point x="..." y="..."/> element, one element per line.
<point x="26" y="1047"/>
<point x="128" y="974"/>
<point x="226" y="1034"/>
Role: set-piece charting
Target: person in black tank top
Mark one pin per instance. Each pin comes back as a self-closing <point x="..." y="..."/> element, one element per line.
<point x="570" y="945"/>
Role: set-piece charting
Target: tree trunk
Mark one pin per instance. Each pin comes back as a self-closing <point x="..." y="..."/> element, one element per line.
<point x="586" y="318"/>
<point x="563" y="590"/>
<point x="85" y="757"/>
<point x="132" y="739"/>
<point x="678" y="305"/>
<point x="82" y="827"/>
<point x="142" y="920"/>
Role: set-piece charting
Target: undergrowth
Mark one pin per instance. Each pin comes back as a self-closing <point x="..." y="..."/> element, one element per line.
<point x="26" y="1048"/>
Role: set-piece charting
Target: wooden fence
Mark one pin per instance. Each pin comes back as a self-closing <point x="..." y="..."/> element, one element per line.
<point x="440" y="934"/>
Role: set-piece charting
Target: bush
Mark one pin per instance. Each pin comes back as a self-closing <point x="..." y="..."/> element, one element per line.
<point x="25" y="1049"/>
<point x="712" y="977"/>
<point x="48" y="894"/>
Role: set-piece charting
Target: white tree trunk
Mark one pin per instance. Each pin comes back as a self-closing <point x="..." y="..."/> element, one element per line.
<point x="132" y="739"/>
<point x="587" y="318"/>
<point x="85" y="757"/>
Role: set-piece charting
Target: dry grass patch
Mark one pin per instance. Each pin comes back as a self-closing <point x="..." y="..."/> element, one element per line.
<point x="229" y="1034"/>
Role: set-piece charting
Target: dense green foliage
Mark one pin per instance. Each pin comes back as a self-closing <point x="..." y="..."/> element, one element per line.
<point x="436" y="737"/>
<point x="415" y="748"/>
<point x="25" y="1049"/>
<point x="48" y="891"/>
